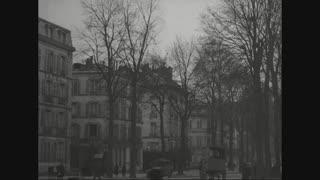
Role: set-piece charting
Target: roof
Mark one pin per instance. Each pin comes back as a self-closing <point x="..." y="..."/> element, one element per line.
<point x="46" y="21"/>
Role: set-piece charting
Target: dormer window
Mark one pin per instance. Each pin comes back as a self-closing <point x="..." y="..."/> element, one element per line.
<point x="46" y="29"/>
<point x="50" y="32"/>
<point x="63" y="37"/>
<point x="59" y="35"/>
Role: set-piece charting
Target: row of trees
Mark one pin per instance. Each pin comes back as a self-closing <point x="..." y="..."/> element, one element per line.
<point x="240" y="67"/>
<point x="235" y="67"/>
<point x="118" y="34"/>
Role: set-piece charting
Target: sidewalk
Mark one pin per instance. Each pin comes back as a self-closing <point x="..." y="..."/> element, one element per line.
<point x="140" y="175"/>
<point x="195" y="173"/>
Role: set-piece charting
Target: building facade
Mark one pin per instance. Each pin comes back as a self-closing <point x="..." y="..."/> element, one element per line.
<point x="198" y="133"/>
<point x="151" y="125"/>
<point x="90" y="124"/>
<point x="54" y="105"/>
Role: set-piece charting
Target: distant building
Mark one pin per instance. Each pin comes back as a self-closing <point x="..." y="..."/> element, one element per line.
<point x="151" y="135"/>
<point x="89" y="128"/>
<point x="54" y="106"/>
<point x="198" y="133"/>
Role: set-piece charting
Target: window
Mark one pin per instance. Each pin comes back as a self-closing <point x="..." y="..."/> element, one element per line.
<point x="64" y="67"/>
<point x="199" y="141"/>
<point x="116" y="110"/>
<point x="41" y="151"/>
<point x="39" y="58"/>
<point x="199" y="124"/>
<point x="93" y="109"/>
<point x="153" y="129"/>
<point x="116" y="131"/>
<point x="63" y="91"/>
<point x="46" y="29"/>
<point x="58" y="66"/>
<point x="51" y="62"/>
<point x="75" y="109"/>
<point x="50" y="32"/>
<point x="190" y="124"/>
<point x="42" y="118"/>
<point x="62" y="119"/>
<point x="154" y="112"/>
<point x="139" y="115"/>
<point x="93" y="130"/>
<point x="59" y="35"/>
<point x="75" y="130"/>
<point x="138" y="133"/>
<point x="123" y="109"/>
<point x="75" y="87"/>
<point x="123" y="132"/>
<point x="64" y="37"/>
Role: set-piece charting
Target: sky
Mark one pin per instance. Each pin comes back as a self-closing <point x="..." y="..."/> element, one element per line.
<point x="180" y="17"/>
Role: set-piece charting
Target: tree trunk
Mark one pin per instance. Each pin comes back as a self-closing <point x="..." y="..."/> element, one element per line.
<point x="231" y="130"/>
<point x="163" y="148"/>
<point x="213" y="126"/>
<point x="231" y="142"/>
<point x="133" y="152"/>
<point x="259" y="123"/>
<point x="242" y="151"/>
<point x="110" y="139"/>
<point x="219" y="115"/>
<point x="182" y="147"/>
<point x="247" y="141"/>
<point x="267" y="128"/>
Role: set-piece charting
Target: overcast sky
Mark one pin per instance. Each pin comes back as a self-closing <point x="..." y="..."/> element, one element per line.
<point x="180" y="17"/>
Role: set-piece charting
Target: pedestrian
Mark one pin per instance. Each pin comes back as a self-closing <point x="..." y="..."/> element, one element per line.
<point x="123" y="170"/>
<point x="97" y="169"/>
<point x="246" y="171"/>
<point x="116" y="170"/>
<point x="202" y="169"/>
<point x="60" y="171"/>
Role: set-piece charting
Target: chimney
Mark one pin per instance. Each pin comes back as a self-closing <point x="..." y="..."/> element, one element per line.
<point x="89" y="61"/>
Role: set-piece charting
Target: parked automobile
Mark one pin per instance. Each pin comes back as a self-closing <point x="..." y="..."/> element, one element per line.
<point x="163" y="166"/>
<point x="217" y="164"/>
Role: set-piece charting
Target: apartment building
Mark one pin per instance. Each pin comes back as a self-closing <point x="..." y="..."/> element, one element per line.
<point x="54" y="106"/>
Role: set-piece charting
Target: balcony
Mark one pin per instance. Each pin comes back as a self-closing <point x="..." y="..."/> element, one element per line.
<point x="48" y="99"/>
<point x="91" y="141"/>
<point x="62" y="101"/>
<point x="53" y="131"/>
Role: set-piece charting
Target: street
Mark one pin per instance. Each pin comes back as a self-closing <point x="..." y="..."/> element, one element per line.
<point x="188" y="174"/>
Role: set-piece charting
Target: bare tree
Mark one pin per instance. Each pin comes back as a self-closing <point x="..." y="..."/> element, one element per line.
<point x="213" y="64"/>
<point x="140" y="21"/>
<point x="155" y="81"/>
<point x="242" y="26"/>
<point x="102" y="39"/>
<point x="182" y="55"/>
